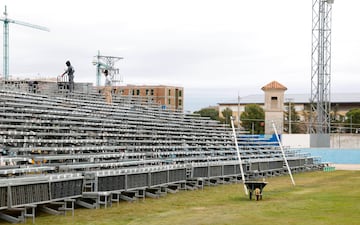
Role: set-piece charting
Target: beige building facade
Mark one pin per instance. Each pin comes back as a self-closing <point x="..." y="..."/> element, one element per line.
<point x="170" y="97"/>
<point x="341" y="103"/>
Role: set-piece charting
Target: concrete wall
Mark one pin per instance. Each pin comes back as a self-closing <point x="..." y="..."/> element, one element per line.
<point x="320" y="140"/>
<point x="296" y="140"/>
<point x="344" y="141"/>
<point x="273" y="116"/>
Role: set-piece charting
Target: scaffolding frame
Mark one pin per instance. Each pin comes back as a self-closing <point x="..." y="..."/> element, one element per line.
<point x="321" y="67"/>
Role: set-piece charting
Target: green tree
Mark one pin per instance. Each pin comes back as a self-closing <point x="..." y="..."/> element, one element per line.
<point x="252" y="118"/>
<point x="209" y="112"/>
<point x="227" y="113"/>
<point x="353" y="120"/>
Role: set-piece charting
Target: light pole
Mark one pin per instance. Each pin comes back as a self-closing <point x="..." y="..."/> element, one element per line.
<point x="289" y="114"/>
<point x="238" y="111"/>
<point x="321" y="66"/>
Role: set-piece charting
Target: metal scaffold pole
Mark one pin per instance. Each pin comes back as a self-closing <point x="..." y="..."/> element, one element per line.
<point x="283" y="153"/>
<point x="238" y="155"/>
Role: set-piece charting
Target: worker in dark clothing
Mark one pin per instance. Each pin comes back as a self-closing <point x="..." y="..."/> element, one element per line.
<point x="70" y="72"/>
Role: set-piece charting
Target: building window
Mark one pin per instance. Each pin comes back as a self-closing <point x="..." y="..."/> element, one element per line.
<point x="274" y="102"/>
<point x="169" y="101"/>
<point x="152" y="92"/>
<point x="180" y="93"/>
<point x="147" y="92"/>
<point x="137" y="92"/>
<point x="180" y="102"/>
<point x="133" y="92"/>
<point x="169" y="92"/>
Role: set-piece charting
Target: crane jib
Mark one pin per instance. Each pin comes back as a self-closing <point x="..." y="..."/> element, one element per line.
<point x="6" y="21"/>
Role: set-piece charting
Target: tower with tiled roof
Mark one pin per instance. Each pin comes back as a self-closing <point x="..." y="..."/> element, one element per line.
<point x="274" y="106"/>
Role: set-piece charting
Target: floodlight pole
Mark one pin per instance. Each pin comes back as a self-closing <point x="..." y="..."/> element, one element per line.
<point x="238" y="154"/>
<point x="320" y="120"/>
<point x="283" y="153"/>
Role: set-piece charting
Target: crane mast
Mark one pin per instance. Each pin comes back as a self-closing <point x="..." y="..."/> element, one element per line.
<point x="6" y="22"/>
<point x="103" y="62"/>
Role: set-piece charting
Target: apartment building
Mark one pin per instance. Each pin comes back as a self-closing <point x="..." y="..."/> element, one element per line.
<point x="169" y="97"/>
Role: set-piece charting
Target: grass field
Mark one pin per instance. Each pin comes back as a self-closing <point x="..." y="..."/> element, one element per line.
<point x="318" y="198"/>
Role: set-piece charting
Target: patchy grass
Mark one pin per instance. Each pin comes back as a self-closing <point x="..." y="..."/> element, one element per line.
<point x="318" y="198"/>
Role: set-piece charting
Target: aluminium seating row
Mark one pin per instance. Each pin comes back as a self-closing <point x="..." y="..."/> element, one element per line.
<point x="127" y="147"/>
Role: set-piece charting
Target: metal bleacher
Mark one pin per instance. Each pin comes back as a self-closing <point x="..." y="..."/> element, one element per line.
<point x="56" y="150"/>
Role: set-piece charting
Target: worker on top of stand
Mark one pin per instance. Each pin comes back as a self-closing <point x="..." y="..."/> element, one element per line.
<point x="108" y="88"/>
<point x="70" y="72"/>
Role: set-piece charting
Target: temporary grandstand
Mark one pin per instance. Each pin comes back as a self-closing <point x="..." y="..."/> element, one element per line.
<point x="60" y="149"/>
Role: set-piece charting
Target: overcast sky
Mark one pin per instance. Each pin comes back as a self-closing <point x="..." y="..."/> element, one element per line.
<point x="214" y="49"/>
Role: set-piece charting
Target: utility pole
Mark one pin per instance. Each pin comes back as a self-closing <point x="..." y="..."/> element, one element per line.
<point x="6" y="21"/>
<point x="289" y="117"/>
<point x="238" y="111"/>
<point x="289" y="114"/>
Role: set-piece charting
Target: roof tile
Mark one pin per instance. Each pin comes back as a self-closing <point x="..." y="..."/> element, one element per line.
<point x="274" y="85"/>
